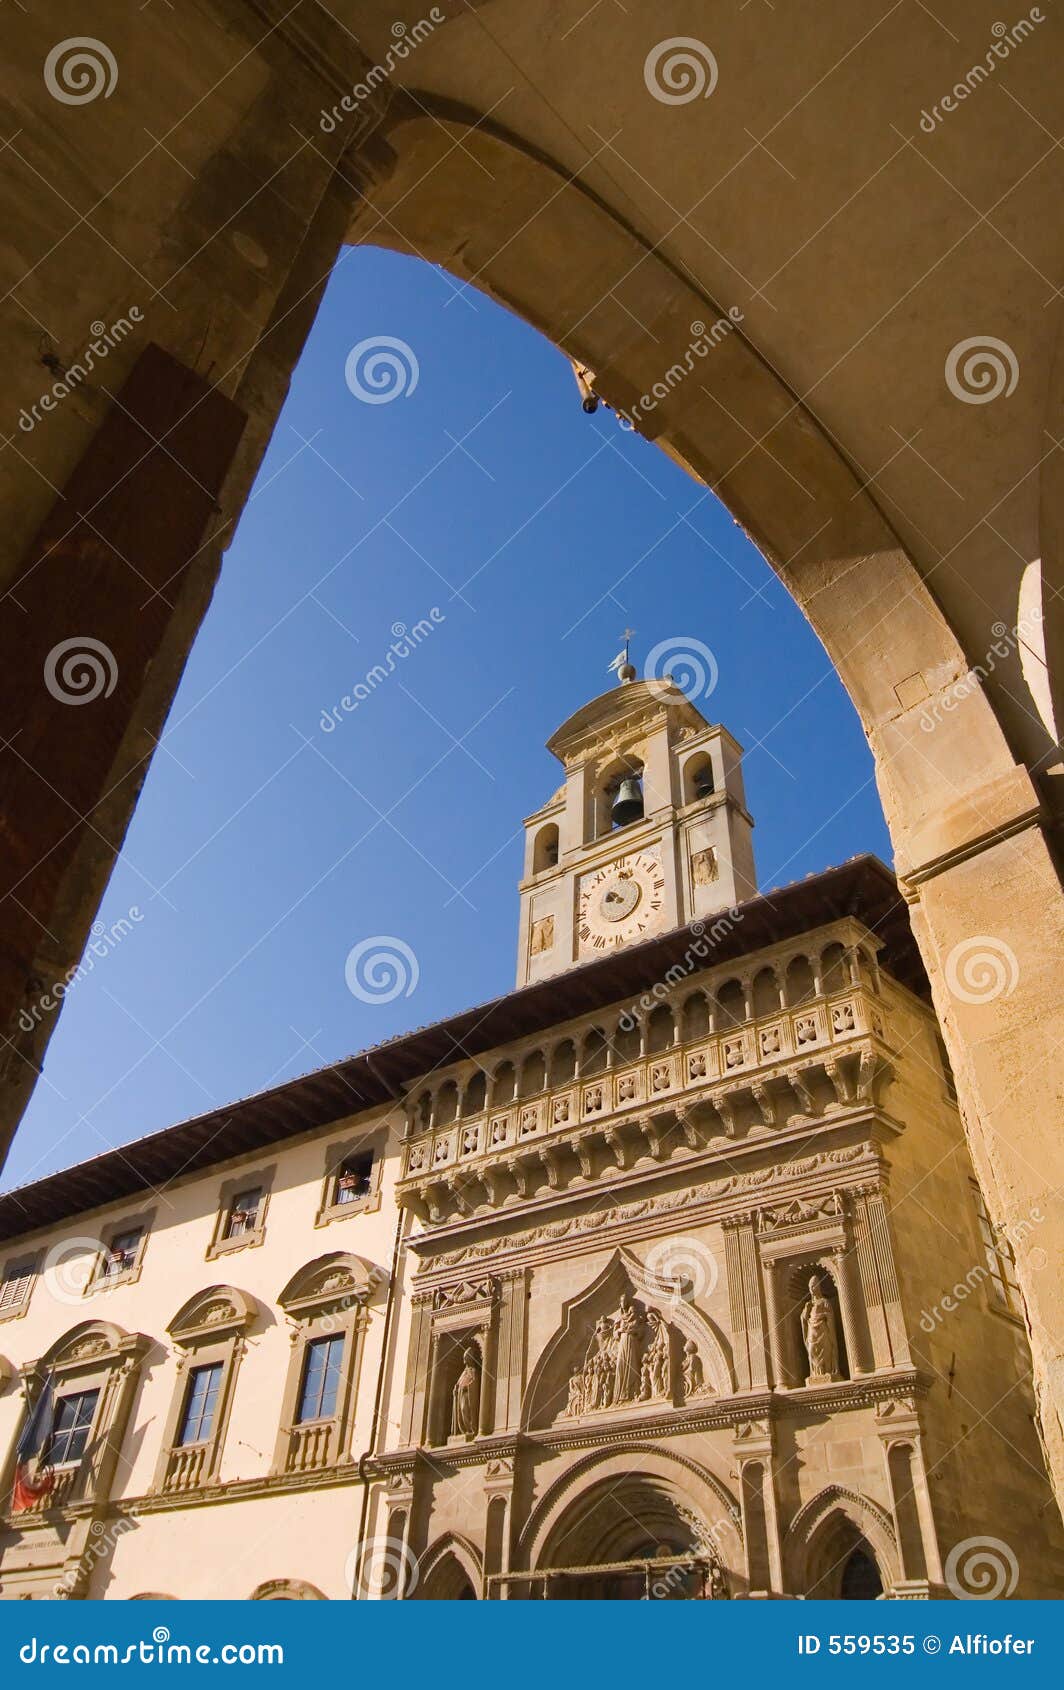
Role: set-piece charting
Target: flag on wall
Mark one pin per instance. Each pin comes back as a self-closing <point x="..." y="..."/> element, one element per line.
<point x="33" y="1477"/>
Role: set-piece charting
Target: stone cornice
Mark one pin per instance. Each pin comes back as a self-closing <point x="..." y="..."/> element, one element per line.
<point x="817" y="1174"/>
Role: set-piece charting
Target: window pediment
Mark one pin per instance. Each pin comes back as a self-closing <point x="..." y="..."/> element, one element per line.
<point x="339" y="1278"/>
<point x="213" y="1313"/>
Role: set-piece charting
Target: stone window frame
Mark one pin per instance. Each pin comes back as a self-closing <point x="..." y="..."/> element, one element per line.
<point x="1000" y="1288"/>
<point x="374" y="1143"/>
<point x="211" y="1327"/>
<point x="326" y="1298"/>
<point x="255" y="1179"/>
<point x="94" y="1356"/>
<point x="459" y="1315"/>
<point x="142" y="1223"/>
<point x="28" y="1263"/>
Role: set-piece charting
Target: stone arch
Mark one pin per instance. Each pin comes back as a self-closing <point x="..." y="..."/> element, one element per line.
<point x="471" y="191"/>
<point x="545" y="848"/>
<point x="826" y="1530"/>
<point x="688" y="1484"/>
<point x="545" y="1395"/>
<point x="449" y="1564"/>
<point x="287" y="1590"/>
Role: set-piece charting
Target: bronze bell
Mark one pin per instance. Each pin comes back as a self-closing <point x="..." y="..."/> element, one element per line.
<point x="628" y="804"/>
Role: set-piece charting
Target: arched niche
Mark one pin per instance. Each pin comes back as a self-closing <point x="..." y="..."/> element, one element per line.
<point x="548" y="1393"/>
<point x="824" y="1535"/>
<point x="451" y="1570"/>
<point x="545" y="848"/>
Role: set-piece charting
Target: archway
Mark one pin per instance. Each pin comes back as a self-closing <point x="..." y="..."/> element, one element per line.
<point x="785" y="432"/>
<point x="449" y="1571"/>
<point x="629" y="1539"/>
<point x="840" y="1546"/>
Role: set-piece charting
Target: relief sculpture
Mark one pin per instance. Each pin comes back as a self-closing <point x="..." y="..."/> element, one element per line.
<point x="628" y="1360"/>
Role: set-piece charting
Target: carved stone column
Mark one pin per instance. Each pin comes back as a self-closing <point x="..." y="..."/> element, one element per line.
<point x="776" y="1336"/>
<point x="849" y="1311"/>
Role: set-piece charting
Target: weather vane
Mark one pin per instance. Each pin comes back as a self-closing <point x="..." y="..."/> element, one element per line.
<point x="621" y="664"/>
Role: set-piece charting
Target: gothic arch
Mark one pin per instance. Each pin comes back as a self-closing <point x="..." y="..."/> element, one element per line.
<point x="451" y="1562"/>
<point x="624" y="1272"/>
<point x="688" y="1484"/>
<point x="808" y="1547"/>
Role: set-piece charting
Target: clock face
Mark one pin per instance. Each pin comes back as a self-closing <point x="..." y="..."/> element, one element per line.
<point x="621" y="902"/>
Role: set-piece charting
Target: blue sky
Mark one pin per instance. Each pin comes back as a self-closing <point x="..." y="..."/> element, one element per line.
<point x="263" y="849"/>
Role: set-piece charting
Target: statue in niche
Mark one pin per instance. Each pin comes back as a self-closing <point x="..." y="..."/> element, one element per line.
<point x="694" y="1379"/>
<point x="818" y="1333"/>
<point x="465" y="1398"/>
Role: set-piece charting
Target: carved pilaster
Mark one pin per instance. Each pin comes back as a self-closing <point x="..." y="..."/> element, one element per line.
<point x="852" y="1326"/>
<point x="744" y="1297"/>
<point x="879" y="1281"/>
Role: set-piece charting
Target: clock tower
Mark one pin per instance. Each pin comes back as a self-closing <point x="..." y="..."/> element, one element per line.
<point x="649" y="830"/>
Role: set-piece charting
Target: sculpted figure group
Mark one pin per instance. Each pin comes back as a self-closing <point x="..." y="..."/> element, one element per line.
<point x="628" y="1360"/>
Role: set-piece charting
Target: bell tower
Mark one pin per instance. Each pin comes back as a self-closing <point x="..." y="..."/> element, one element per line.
<point x="649" y="830"/>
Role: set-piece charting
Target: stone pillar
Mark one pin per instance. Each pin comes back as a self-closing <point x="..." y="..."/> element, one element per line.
<point x="776" y="1336"/>
<point x="744" y="1299"/>
<point x="852" y="1325"/>
<point x="879" y="1331"/>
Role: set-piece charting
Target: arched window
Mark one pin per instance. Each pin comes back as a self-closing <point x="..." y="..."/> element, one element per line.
<point x="208" y="1334"/>
<point x="327" y="1303"/>
<point x="698" y="779"/>
<point x="503" y="1085"/>
<point x="474" y="1099"/>
<point x="608" y="790"/>
<point x="545" y="849"/>
<point x="766" y="992"/>
<point x="563" y="1063"/>
<point x="533" y="1074"/>
<point x="696" y="1016"/>
<point x="800" y="986"/>
<point x="594" y="1054"/>
<point x="661" y="1032"/>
